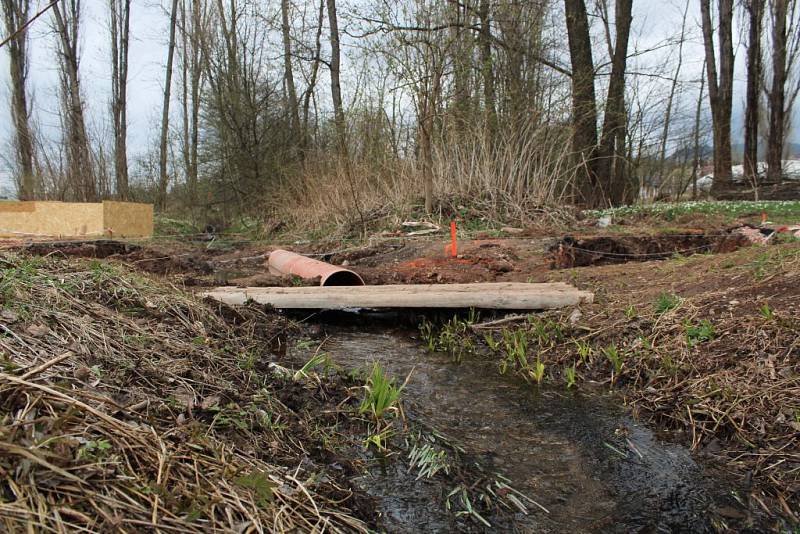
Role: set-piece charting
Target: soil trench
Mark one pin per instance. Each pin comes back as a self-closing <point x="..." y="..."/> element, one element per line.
<point x="575" y="453"/>
<point x="583" y="252"/>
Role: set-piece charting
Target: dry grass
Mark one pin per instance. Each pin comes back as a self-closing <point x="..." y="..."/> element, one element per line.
<point x="518" y="180"/>
<point x="130" y="406"/>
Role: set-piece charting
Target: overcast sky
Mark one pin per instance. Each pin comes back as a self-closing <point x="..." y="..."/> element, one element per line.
<point x="654" y="21"/>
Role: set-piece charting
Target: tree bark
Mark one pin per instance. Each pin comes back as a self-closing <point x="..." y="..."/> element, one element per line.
<point x="80" y="171"/>
<point x="312" y="81"/>
<point x="755" y="9"/>
<point x="15" y="14"/>
<point x="720" y="87"/>
<point x="487" y="70"/>
<point x="696" y="135"/>
<point x="612" y="142"/>
<point x="584" y="102"/>
<point x="777" y="92"/>
<point x="288" y="74"/>
<point x="120" y="31"/>
<point x="192" y="27"/>
<point x="336" y="87"/>
<point x="163" y="177"/>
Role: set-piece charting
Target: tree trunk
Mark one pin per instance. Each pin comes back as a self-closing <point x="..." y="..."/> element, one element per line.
<point x="487" y="70"/>
<point x="612" y="141"/>
<point x="192" y="27"/>
<point x="338" y="109"/>
<point x="336" y="87"/>
<point x="584" y="103"/>
<point x="461" y="53"/>
<point x="777" y="92"/>
<point x="15" y="14"/>
<point x="312" y="81"/>
<point x="288" y="74"/>
<point x="696" y="135"/>
<point x="120" y="31"/>
<point x="671" y="100"/>
<point x="80" y="171"/>
<point x="720" y="87"/>
<point x="163" y="177"/>
<point x="755" y="9"/>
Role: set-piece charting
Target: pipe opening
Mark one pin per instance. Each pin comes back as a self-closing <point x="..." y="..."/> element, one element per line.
<point x="342" y="278"/>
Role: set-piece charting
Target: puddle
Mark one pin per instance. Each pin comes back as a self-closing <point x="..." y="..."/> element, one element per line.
<point x="576" y="453"/>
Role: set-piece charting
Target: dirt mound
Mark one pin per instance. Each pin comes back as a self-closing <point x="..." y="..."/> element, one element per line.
<point x="100" y="248"/>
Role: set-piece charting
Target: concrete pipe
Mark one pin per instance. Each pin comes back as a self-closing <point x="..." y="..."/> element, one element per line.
<point x="285" y="262"/>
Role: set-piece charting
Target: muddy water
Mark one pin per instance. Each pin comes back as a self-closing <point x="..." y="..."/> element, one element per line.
<point x="576" y="453"/>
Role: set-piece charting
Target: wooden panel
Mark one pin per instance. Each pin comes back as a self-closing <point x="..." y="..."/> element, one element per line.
<point x="510" y="296"/>
<point x="128" y="219"/>
<point x="75" y="219"/>
<point x="51" y="219"/>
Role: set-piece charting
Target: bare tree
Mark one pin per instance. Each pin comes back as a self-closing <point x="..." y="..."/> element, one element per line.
<point x="696" y="136"/>
<point x="120" y="11"/>
<point x="193" y="27"/>
<point x="80" y="171"/>
<point x="720" y="86"/>
<point x="755" y="10"/>
<point x="777" y="91"/>
<point x="288" y="73"/>
<point x="336" y="86"/>
<point x="671" y="97"/>
<point x="312" y="78"/>
<point x="487" y="69"/>
<point x="584" y="101"/>
<point x="163" y="180"/>
<point x="612" y="141"/>
<point x="15" y="15"/>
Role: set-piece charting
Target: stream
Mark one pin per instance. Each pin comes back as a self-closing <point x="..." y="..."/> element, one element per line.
<point x="575" y="452"/>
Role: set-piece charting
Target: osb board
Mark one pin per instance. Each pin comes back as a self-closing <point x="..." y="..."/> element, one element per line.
<point x="74" y="219"/>
<point x="127" y="219"/>
<point x="42" y="219"/>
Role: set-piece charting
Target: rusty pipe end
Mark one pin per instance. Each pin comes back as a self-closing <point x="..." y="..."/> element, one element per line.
<point x="285" y="262"/>
<point x="343" y="277"/>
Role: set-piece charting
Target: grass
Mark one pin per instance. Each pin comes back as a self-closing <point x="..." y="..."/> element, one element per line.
<point x="778" y="211"/>
<point x="449" y="337"/>
<point x="570" y="376"/>
<point x="666" y="302"/>
<point x="613" y="354"/>
<point x="699" y="332"/>
<point x="381" y="394"/>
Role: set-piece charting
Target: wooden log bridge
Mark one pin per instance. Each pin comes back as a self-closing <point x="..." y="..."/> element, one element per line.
<point x="501" y="295"/>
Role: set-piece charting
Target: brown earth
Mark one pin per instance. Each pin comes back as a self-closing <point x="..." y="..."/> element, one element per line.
<point x="733" y="398"/>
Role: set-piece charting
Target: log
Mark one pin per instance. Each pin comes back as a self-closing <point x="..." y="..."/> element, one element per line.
<point x="503" y="296"/>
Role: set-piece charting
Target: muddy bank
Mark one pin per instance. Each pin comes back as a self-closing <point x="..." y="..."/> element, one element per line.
<point x="606" y="250"/>
<point x="130" y="405"/>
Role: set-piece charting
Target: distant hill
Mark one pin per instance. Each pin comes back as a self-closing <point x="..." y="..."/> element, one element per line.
<point x="793" y="148"/>
<point x="687" y="153"/>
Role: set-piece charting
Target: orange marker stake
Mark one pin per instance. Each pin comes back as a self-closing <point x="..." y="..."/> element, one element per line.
<point x="453" y="242"/>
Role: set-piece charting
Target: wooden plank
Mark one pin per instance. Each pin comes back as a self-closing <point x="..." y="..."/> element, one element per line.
<point x="503" y="295"/>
